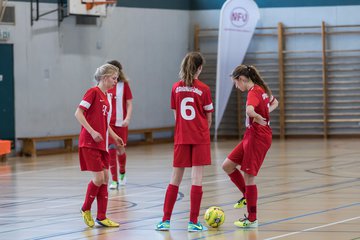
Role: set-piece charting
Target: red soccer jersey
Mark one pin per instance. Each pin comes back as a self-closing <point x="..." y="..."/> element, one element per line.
<point x="258" y="98"/>
<point x="96" y="111"/>
<point x="191" y="105"/>
<point x="119" y="95"/>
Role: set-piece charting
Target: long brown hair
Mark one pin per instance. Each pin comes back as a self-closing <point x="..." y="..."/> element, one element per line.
<point x="253" y="74"/>
<point x="122" y="77"/>
<point x="189" y="67"/>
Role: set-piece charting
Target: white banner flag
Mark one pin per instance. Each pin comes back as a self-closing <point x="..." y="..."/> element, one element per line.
<point x="238" y="19"/>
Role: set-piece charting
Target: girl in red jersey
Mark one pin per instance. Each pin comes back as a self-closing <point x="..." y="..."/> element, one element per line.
<point x="93" y="114"/>
<point x="121" y="102"/>
<point x="251" y="151"/>
<point x="192" y="105"/>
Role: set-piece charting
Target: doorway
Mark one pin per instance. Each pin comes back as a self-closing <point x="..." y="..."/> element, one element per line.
<point x="7" y="100"/>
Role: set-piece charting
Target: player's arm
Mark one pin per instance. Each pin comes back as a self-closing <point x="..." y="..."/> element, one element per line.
<point x="118" y="141"/>
<point x="129" y="108"/>
<point x="209" y="118"/>
<point x="174" y="114"/>
<point x="273" y="105"/>
<point x="79" y="114"/>
<point x="250" y="111"/>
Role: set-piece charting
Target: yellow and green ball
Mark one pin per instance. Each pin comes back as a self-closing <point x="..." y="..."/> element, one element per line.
<point x="214" y="216"/>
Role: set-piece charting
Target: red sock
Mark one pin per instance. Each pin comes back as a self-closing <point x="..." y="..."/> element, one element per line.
<point x="251" y="201"/>
<point x="122" y="163"/>
<point x="113" y="164"/>
<point x="238" y="179"/>
<point x="91" y="193"/>
<point x="170" y="199"/>
<point x="195" y="202"/>
<point x="102" y="201"/>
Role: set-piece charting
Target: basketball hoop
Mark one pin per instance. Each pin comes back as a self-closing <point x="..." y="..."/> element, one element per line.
<point x="90" y="5"/>
<point x="110" y="6"/>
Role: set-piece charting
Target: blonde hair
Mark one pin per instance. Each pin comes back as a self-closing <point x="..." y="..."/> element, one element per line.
<point x="122" y="77"/>
<point x="189" y="67"/>
<point x="105" y="70"/>
<point x="250" y="72"/>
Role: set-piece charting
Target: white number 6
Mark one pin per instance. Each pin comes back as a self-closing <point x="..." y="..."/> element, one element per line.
<point x="184" y="107"/>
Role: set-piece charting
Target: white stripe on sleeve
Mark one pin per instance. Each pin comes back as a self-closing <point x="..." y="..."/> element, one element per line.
<point x="208" y="107"/>
<point x="85" y="104"/>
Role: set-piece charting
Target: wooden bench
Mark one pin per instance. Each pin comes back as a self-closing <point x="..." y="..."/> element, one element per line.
<point x="5" y="148"/>
<point x="29" y="144"/>
<point x="149" y="135"/>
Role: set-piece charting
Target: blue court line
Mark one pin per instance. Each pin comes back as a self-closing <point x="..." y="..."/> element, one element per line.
<point x="185" y="211"/>
<point x="231" y="203"/>
<point x="285" y="219"/>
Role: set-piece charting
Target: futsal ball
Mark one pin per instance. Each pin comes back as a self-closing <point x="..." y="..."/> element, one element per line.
<point x="214" y="216"/>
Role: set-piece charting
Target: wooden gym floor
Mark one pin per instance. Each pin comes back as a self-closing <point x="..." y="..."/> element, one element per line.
<point x="308" y="189"/>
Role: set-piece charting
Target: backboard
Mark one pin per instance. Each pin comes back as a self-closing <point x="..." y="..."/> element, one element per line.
<point x="89" y="7"/>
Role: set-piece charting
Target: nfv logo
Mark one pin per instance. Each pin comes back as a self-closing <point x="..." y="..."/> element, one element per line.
<point x="239" y="17"/>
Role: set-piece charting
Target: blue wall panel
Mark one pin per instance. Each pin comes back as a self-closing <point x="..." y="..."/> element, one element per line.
<point x="216" y="4"/>
<point x="160" y="4"/>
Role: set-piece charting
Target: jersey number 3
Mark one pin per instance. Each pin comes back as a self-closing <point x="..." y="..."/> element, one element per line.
<point x="185" y="109"/>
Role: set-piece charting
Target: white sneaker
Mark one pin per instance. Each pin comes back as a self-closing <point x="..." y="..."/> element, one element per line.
<point x="114" y="185"/>
<point x="122" y="180"/>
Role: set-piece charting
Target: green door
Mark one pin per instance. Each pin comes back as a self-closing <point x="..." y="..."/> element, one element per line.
<point x="7" y="105"/>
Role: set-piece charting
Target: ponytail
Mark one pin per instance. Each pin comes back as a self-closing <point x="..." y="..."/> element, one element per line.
<point x="122" y="77"/>
<point x="189" y="67"/>
<point x="251" y="73"/>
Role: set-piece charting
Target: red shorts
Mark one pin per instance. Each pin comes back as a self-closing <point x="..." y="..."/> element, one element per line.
<point x="188" y="155"/>
<point x="93" y="160"/>
<point x="121" y="132"/>
<point x="251" y="151"/>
